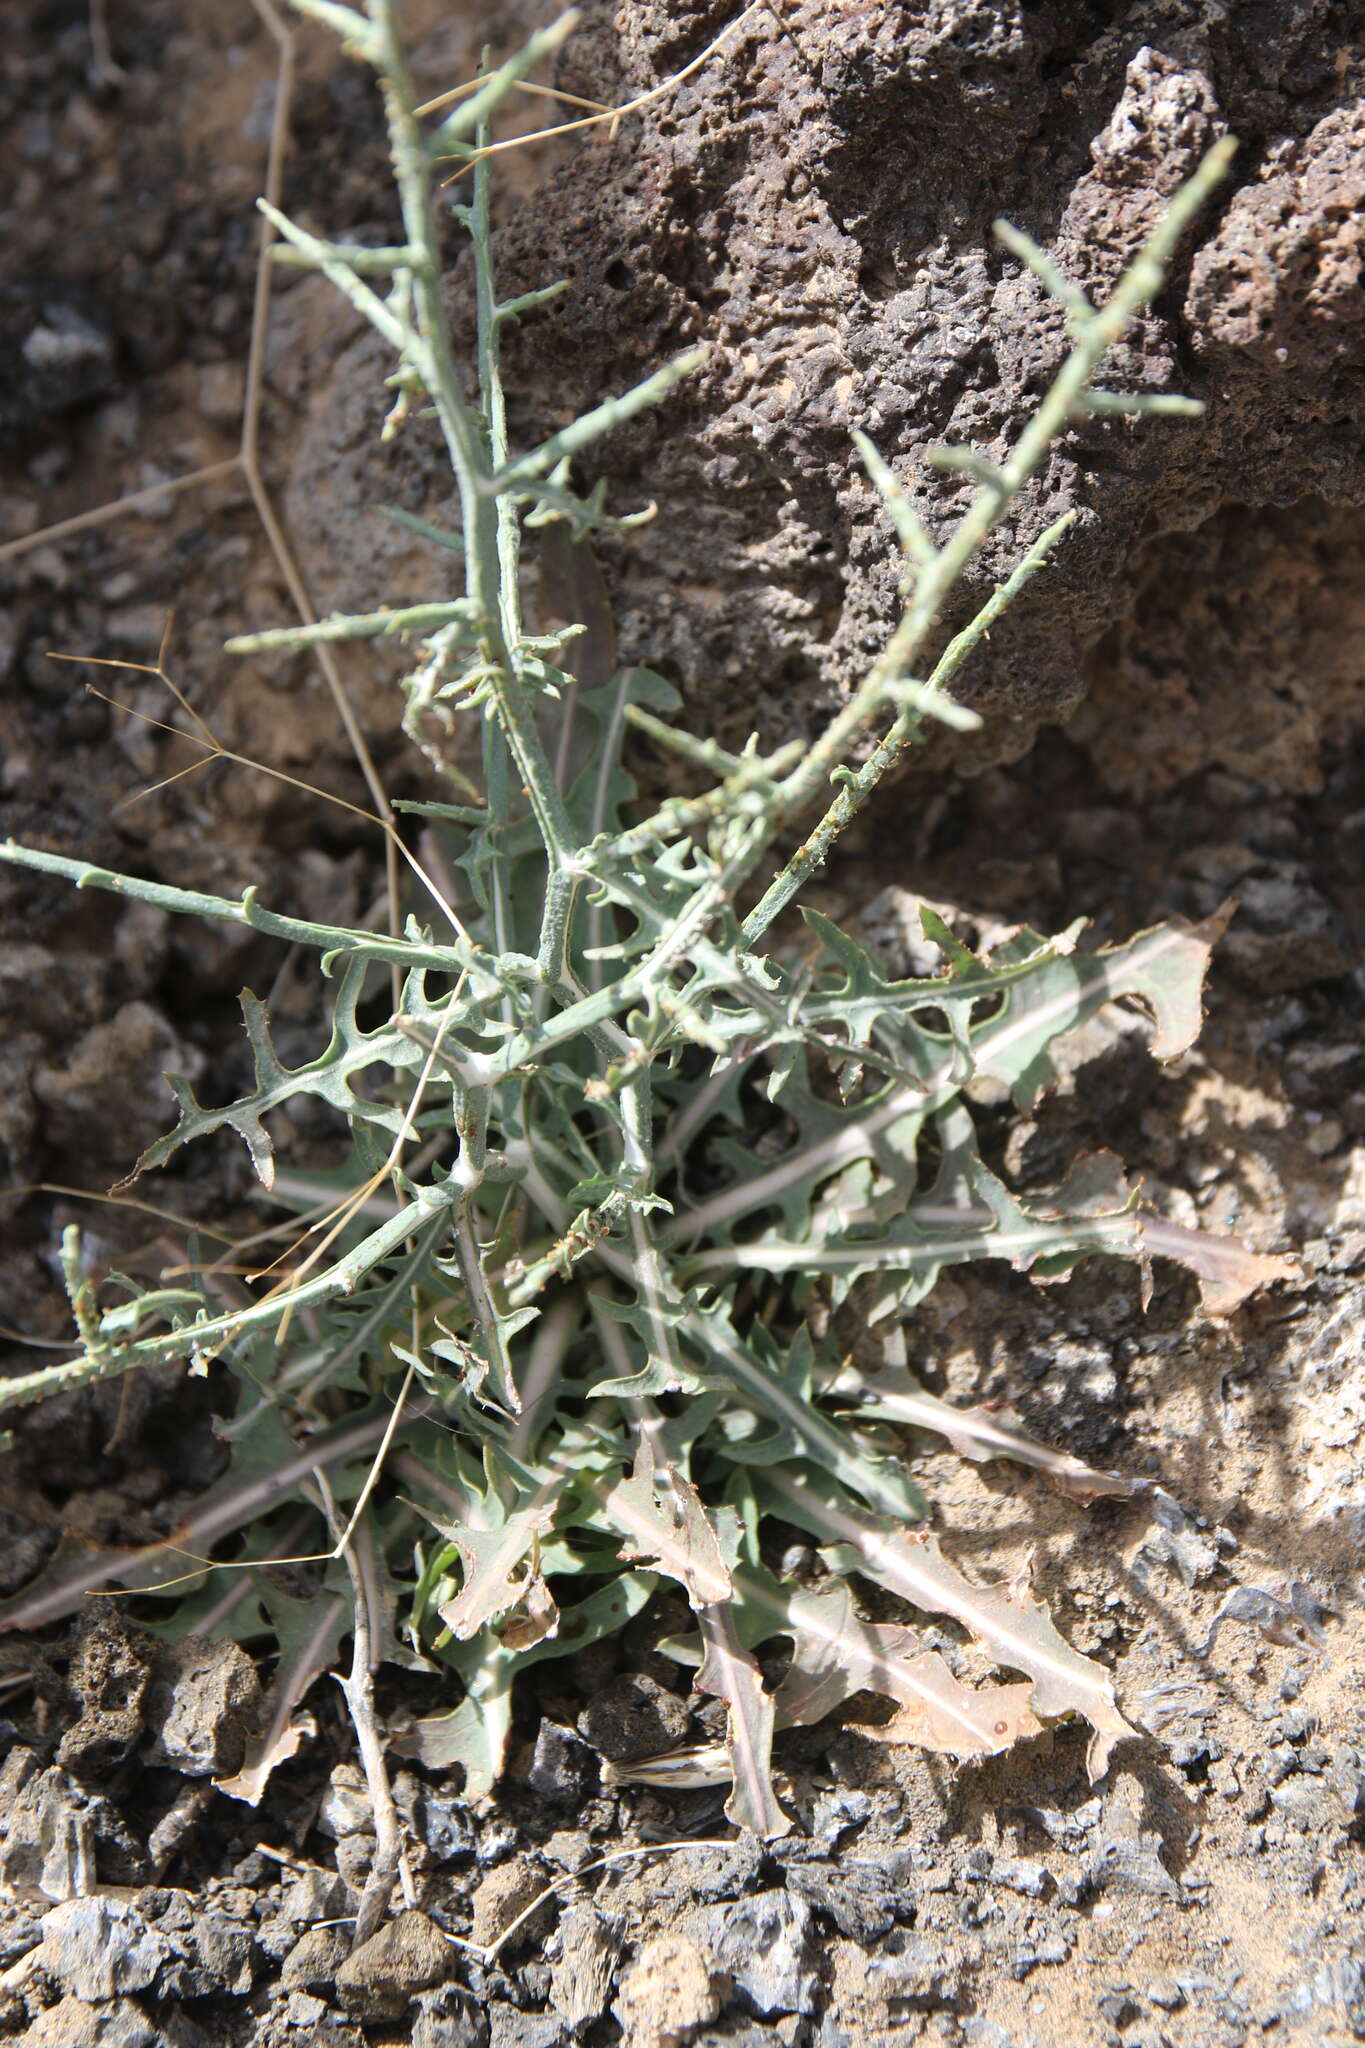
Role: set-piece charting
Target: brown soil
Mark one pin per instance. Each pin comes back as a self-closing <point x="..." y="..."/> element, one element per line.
<point x="806" y="204"/>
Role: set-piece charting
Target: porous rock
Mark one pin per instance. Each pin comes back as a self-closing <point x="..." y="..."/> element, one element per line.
<point x="835" y="252"/>
<point x="109" y="1674"/>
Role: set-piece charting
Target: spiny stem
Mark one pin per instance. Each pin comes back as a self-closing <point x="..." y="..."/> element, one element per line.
<point x="1095" y="333"/>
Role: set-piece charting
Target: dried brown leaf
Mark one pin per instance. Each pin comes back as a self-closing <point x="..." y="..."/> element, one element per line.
<point x="1006" y="1620"/>
<point x="836" y="1653"/>
<point x="667" y="1526"/>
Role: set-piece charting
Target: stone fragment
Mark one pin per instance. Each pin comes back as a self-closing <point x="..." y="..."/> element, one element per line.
<point x="509" y="2027"/>
<point x="440" y="1820"/>
<point x="561" y="1765"/>
<point x="581" y="1978"/>
<point x="303" y="2010"/>
<point x="314" y="1960"/>
<point x="100" y="1948"/>
<point x="568" y="1848"/>
<point x="409" y="1954"/>
<point x="863" y="1902"/>
<point x="314" y="1895"/>
<point x="201" y="1705"/>
<point x="1017" y="1873"/>
<point x="449" y="2017"/>
<point x="227" y="1954"/>
<point x="72" y="2023"/>
<point x="764" y="1945"/>
<point x="47" y="1832"/>
<point x="345" y="1808"/>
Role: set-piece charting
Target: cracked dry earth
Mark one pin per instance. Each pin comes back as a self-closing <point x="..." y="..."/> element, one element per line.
<point x="1207" y="1894"/>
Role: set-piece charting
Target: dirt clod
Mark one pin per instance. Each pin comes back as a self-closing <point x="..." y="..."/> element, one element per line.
<point x="500" y="1896"/>
<point x="634" y="1716"/>
<point x="667" y="1994"/>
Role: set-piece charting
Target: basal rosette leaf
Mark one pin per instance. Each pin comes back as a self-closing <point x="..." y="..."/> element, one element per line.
<point x="775" y="1386"/>
<point x="1006" y="1620"/>
<point x="837" y="1653"/>
<point x="1162" y="970"/>
<point x="730" y="1672"/>
<point x="603" y="789"/>
<point x="1007" y="1007"/>
<point x="475" y="1733"/>
<point x="665" y="1525"/>
<point x="977" y="1434"/>
<point x="498" y="1554"/>
<point x="308" y="1632"/>
<point x="900" y="1262"/>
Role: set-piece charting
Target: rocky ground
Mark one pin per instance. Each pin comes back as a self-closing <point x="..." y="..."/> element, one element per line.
<point x="1206" y="1891"/>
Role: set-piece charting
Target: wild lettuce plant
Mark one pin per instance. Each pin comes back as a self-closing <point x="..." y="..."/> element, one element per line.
<point x="550" y="1349"/>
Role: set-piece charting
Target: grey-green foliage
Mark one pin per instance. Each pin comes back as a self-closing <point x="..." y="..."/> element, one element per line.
<point x="649" y="1128"/>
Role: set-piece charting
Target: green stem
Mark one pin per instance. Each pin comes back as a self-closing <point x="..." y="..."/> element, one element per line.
<point x="1095" y="333"/>
<point x="859" y="784"/>
<point x="191" y="903"/>
<point x="486" y="558"/>
<point x="206" y="1338"/>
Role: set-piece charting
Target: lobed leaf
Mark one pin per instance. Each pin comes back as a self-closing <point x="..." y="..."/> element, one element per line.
<point x="1005" y="1620"/>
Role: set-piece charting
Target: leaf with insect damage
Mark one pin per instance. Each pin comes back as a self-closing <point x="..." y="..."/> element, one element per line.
<point x="501" y="1571"/>
<point x="662" y="1517"/>
<point x="1162" y="970"/>
<point x="495" y="1521"/>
